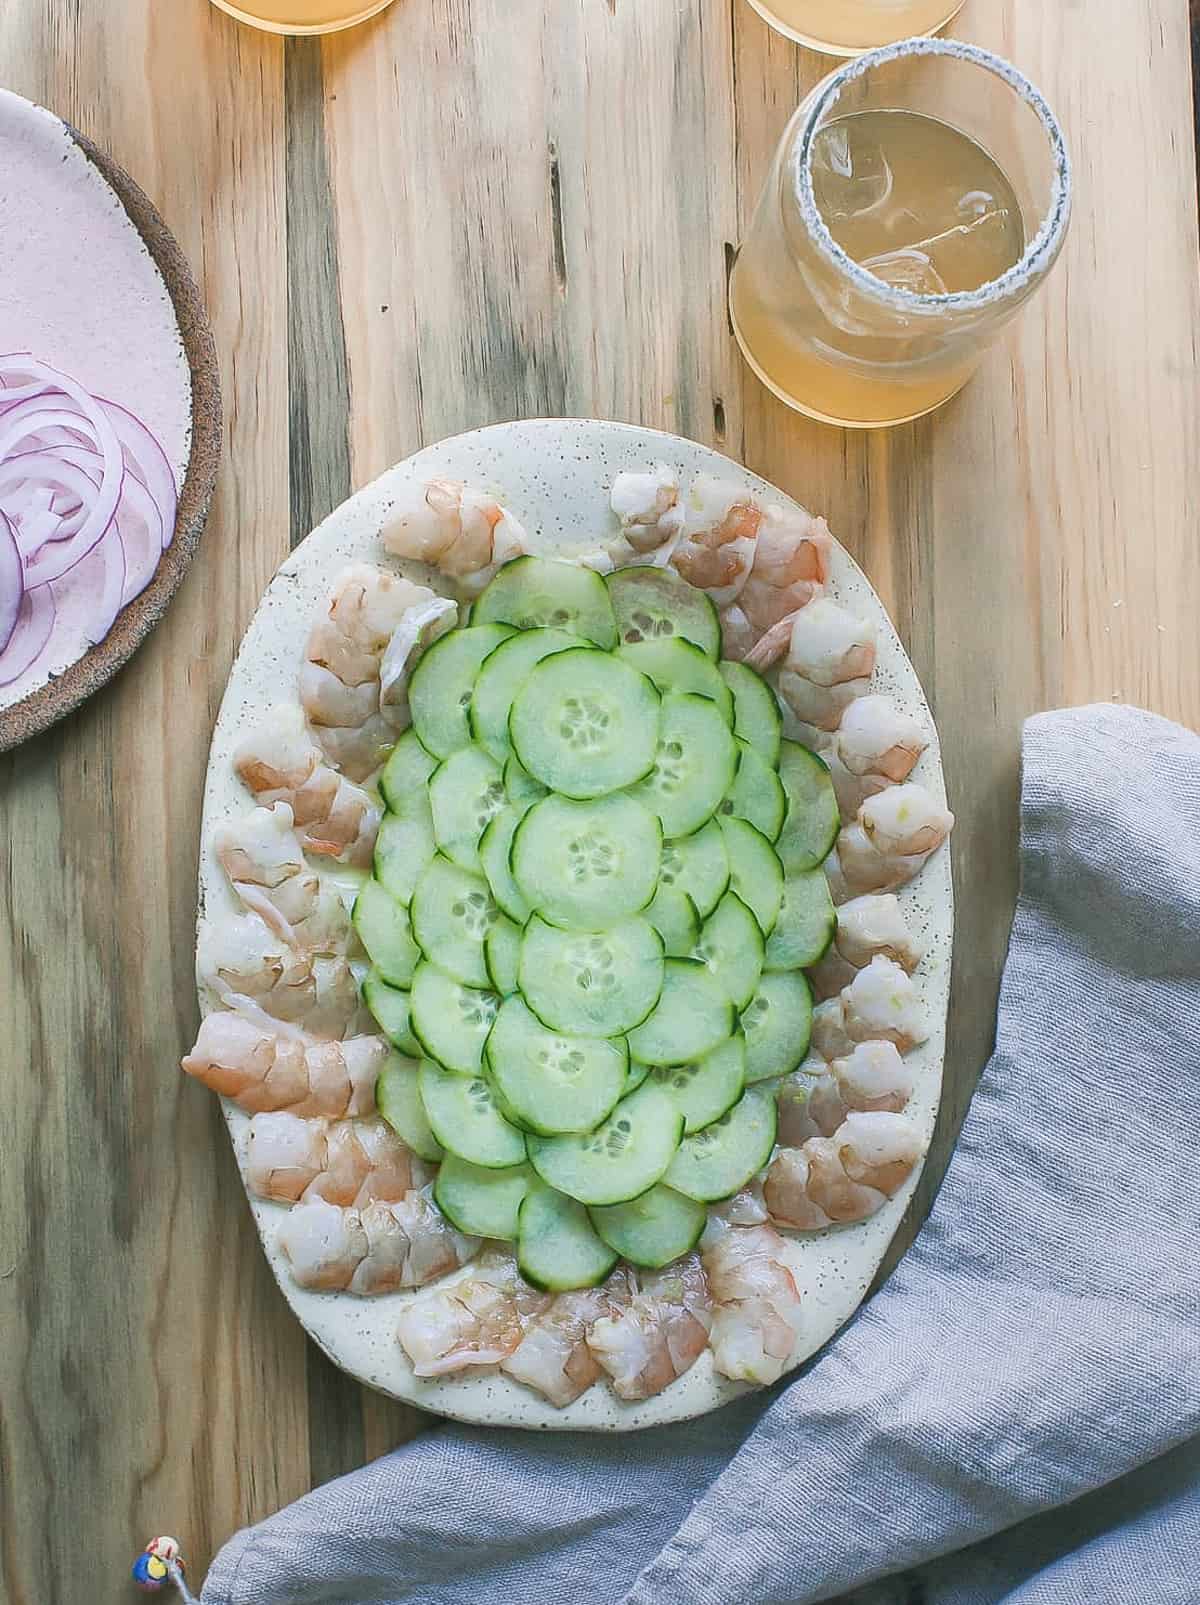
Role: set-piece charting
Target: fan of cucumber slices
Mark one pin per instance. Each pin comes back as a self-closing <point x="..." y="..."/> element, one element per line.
<point x="596" y="887"/>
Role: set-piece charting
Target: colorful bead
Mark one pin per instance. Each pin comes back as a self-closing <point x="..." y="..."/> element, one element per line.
<point x="152" y="1568"/>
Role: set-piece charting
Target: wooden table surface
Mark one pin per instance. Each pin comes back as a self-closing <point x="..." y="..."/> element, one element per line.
<point x="474" y="210"/>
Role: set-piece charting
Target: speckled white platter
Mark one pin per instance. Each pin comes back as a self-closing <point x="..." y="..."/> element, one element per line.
<point x="555" y="475"/>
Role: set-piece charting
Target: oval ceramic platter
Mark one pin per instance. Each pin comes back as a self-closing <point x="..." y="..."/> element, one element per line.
<point x="97" y="294"/>
<point x="555" y="476"/>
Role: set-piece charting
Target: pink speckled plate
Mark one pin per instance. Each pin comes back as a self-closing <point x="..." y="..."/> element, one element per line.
<point x="555" y="475"/>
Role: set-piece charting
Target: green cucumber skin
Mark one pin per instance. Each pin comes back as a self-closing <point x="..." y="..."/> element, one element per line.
<point x="554" y="1233"/>
<point x="507" y="599"/>
<point x="458" y="1180"/>
<point x="756" y="713"/>
<point x="708" y="1180"/>
<point x="654" y="1230"/>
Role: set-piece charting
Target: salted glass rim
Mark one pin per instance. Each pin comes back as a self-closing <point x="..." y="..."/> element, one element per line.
<point x="1038" y="255"/>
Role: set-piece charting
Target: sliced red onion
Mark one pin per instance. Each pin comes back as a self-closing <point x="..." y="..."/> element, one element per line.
<point x="34" y="624"/>
<point x="145" y="456"/>
<point x="12" y="583"/>
<point x="63" y="467"/>
<point x="88" y="598"/>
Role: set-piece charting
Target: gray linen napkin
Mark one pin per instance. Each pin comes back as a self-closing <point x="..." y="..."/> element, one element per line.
<point x="980" y="1426"/>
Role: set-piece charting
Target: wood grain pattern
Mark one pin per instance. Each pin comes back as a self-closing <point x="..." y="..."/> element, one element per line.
<point x="464" y="211"/>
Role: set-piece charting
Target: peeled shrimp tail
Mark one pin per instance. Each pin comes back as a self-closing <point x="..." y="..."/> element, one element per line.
<point x="791" y="567"/>
<point x="757" y="1314"/>
<point x="461" y="531"/>
<point x="239" y="956"/>
<point x="478" y="1321"/>
<point x="647" y="505"/>
<point x="815" y="1100"/>
<point x="661" y="1333"/>
<point x="263" y="857"/>
<point x="866" y="927"/>
<point x="844" y="1178"/>
<point x="895" y="834"/>
<point x="265" y="1066"/>
<point x="380" y="1249"/>
<point x="716" y="548"/>
<point x="348" y="1162"/>
<point x="830" y="659"/>
<point x="553" y="1357"/>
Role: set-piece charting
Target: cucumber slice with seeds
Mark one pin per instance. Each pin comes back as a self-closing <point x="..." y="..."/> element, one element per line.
<point x="778" y="1025"/>
<point x="398" y="1099"/>
<point x="538" y="593"/>
<point x="557" y="1247"/>
<point x="385" y="931"/>
<point x="585" y="723"/>
<point x="495" y="850"/>
<point x="452" y="912"/>
<point x="439" y="692"/>
<point x="464" y="1118"/>
<point x="806" y="925"/>
<point x="703" y="1090"/>
<point x="812" y="822"/>
<point x="503" y="674"/>
<point x="450" y="1021"/>
<point x="553" y="1083"/>
<point x="757" y="793"/>
<point x="587" y="864"/>
<point x="390" y="1007"/>
<point x="755" y="873"/>
<point x="621" y="1158"/>
<point x="716" y="1162"/>
<point x="660" y="1226"/>
<point x="637" y="1074"/>
<point x="732" y="946"/>
<point x="466" y="792"/>
<point x="501" y="955"/>
<point x="673" y="915"/>
<point x="756" y="714"/>
<point x="405" y="847"/>
<point x="698" y="865"/>
<point x="695" y="763"/>
<point x="483" y="1203"/>
<point x="523" y="790"/>
<point x="654" y="604"/>
<point x="596" y="983"/>
<point x="678" y="665"/>
<point x="406" y="773"/>
<point x="690" y="1019"/>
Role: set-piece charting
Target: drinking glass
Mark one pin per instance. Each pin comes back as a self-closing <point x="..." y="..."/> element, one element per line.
<point x="302" y="16"/>
<point x="847" y="27"/>
<point x="837" y="341"/>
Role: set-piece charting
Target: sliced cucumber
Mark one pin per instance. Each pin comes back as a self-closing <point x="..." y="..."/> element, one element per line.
<point x="483" y="1203"/>
<point x="716" y="1162"/>
<point x="591" y="984"/>
<point x="553" y="1083"/>
<point x="523" y="790"/>
<point x="449" y="1020"/>
<point x="501" y="955"/>
<point x="389" y="1005"/>
<point x="557" y="1247"/>
<point x="585" y="723"/>
<point x="452" y="912"/>
<point x="703" y="1090"/>
<point x="385" y="931"/>
<point x="398" y="1099"/>
<point x="756" y="715"/>
<point x="673" y="915"/>
<point x="695" y="763"/>
<point x="757" y="793"/>
<point x="405" y="847"/>
<point x="406" y="773"/>
<point x="587" y="864"/>
<point x="660" y="1226"/>
<point x="678" y="665"/>
<point x="812" y="822"/>
<point x="806" y="925"/>
<point x="732" y="947"/>
<point x="621" y="1158"/>
<point x="463" y="1117"/>
<point x="503" y="674"/>
<point x="495" y="849"/>
<point x="466" y="792"/>
<point x="690" y="1019"/>
<point x="755" y="873"/>
<point x="637" y="1074"/>
<point x="439" y="692"/>
<point x="538" y="593"/>
<point x="778" y="1025"/>
<point x="654" y="604"/>
<point x="697" y="865"/>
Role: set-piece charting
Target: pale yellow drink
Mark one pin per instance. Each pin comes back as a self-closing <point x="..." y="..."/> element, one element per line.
<point x="302" y="16"/>
<point x="845" y="27"/>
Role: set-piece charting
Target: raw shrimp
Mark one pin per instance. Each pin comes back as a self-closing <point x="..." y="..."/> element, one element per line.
<point x="743" y="1209"/>
<point x="478" y="1321"/>
<point x="340" y="684"/>
<point x="647" y="505"/>
<point x="830" y="658"/>
<point x="874" y="746"/>
<point x="239" y="956"/>
<point x="461" y="531"/>
<point x="553" y="1357"/>
<point x="866" y="926"/>
<point x="757" y="1315"/>
<point x="883" y="1003"/>
<point x="791" y="567"/>
<point x="815" y="1100"/>
<point x="264" y="859"/>
<point x="349" y="1162"/>
<point x="844" y="1178"/>
<point x="379" y="1249"/>
<point x="716" y="549"/>
<point x="265" y="1064"/>
<point x="660" y="1334"/>
<point x="279" y="762"/>
<point x="896" y="832"/>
